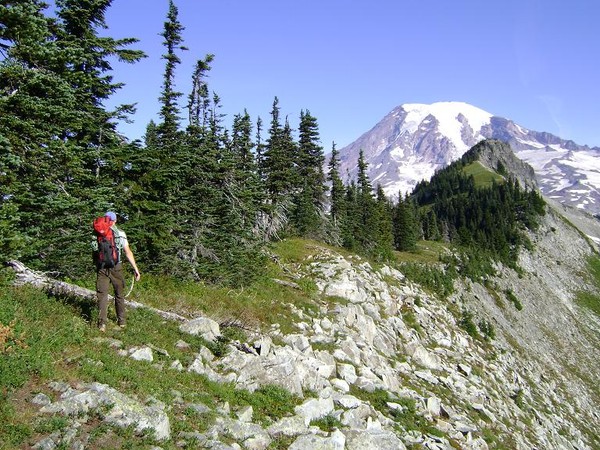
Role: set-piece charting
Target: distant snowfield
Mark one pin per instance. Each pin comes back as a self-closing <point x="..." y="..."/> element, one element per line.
<point x="409" y="145"/>
<point x="586" y="164"/>
<point x="446" y="114"/>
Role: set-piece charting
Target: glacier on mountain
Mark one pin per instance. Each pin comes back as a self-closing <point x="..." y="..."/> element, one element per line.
<point x="415" y="140"/>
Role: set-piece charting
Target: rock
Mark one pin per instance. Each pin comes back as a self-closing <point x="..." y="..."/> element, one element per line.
<point x="314" y="409"/>
<point x="348" y="401"/>
<point x="141" y="354"/>
<point x="465" y="368"/>
<point x="182" y="345"/>
<point x="347" y="372"/>
<point x="263" y="345"/>
<point x="250" y="434"/>
<point x="434" y="406"/>
<point x="288" y="426"/>
<point x="48" y="443"/>
<point x="427" y="376"/>
<point x="336" y="441"/>
<point x="356" y="418"/>
<point x="424" y="358"/>
<point x="298" y="342"/>
<point x="245" y="414"/>
<point x="206" y="354"/>
<point x="200" y="408"/>
<point x="203" y="326"/>
<point x="340" y="385"/>
<point x="176" y="365"/>
<point x="380" y="440"/>
<point x="122" y="410"/>
<point x="41" y="400"/>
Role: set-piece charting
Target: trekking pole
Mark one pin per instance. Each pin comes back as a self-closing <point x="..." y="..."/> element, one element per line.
<point x="131" y="287"/>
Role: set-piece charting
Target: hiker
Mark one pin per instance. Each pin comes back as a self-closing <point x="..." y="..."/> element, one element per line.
<point x="110" y="242"/>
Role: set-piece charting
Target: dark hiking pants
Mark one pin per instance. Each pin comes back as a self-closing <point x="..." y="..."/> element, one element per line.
<point x="104" y="278"/>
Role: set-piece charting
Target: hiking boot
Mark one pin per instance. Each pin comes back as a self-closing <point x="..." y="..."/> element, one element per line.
<point x="121" y="326"/>
<point x="102" y="328"/>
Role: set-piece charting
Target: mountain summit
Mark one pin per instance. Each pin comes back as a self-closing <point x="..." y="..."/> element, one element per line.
<point x="414" y="140"/>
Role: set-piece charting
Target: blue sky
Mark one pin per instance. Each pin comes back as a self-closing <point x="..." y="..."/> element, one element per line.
<point x="350" y="62"/>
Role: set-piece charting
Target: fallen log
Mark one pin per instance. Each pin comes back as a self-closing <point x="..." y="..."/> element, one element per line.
<point x="27" y="276"/>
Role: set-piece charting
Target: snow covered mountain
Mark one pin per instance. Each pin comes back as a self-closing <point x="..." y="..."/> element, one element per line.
<point x="414" y="140"/>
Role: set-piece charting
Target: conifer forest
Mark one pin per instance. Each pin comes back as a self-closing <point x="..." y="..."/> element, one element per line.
<point x="199" y="200"/>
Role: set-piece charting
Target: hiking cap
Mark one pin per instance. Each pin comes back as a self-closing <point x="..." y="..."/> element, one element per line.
<point x="111" y="215"/>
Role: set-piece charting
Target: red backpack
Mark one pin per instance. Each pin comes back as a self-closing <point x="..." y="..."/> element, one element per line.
<point x="107" y="256"/>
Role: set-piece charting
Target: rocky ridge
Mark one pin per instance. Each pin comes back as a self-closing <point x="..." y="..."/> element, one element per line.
<point x="534" y="385"/>
<point x="493" y="153"/>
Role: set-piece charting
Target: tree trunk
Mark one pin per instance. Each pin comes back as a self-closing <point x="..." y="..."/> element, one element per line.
<point x="26" y="276"/>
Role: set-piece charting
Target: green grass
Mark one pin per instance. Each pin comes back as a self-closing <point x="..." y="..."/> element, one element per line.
<point x="434" y="278"/>
<point x="409" y="318"/>
<point x="591" y="300"/>
<point x="427" y="252"/>
<point x="483" y="176"/>
<point x="45" y="339"/>
<point x="513" y="299"/>
<point x="327" y="423"/>
<point x="467" y="324"/>
<point x="253" y="307"/>
<point x="406" y="417"/>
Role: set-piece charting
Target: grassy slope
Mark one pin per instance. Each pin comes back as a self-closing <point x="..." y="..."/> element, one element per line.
<point x="46" y="339"/>
<point x="484" y="177"/>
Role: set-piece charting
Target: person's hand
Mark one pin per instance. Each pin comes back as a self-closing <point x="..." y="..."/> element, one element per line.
<point x="137" y="275"/>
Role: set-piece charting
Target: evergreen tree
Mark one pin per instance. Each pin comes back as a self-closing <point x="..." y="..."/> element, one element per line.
<point x="169" y="111"/>
<point x="279" y="159"/>
<point x="27" y="96"/>
<point x="337" y="202"/>
<point x="260" y="149"/>
<point x="383" y="235"/>
<point x="351" y="222"/>
<point x="197" y="205"/>
<point x="60" y="168"/>
<point x="404" y="225"/>
<point x="489" y="219"/>
<point x="246" y="175"/>
<point x="158" y="213"/>
<point x="366" y="207"/>
<point x="309" y="200"/>
<point x="199" y="101"/>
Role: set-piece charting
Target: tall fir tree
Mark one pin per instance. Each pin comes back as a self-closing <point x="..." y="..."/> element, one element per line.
<point x="309" y="199"/>
<point x="246" y="174"/>
<point x="404" y="224"/>
<point x="173" y="39"/>
<point x="58" y="67"/>
<point x="156" y="213"/>
<point x="260" y="149"/>
<point x="383" y="236"/>
<point x="337" y="196"/>
<point x="279" y="158"/>
<point x="350" y="223"/>
<point x="365" y="206"/>
<point x="199" y="99"/>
